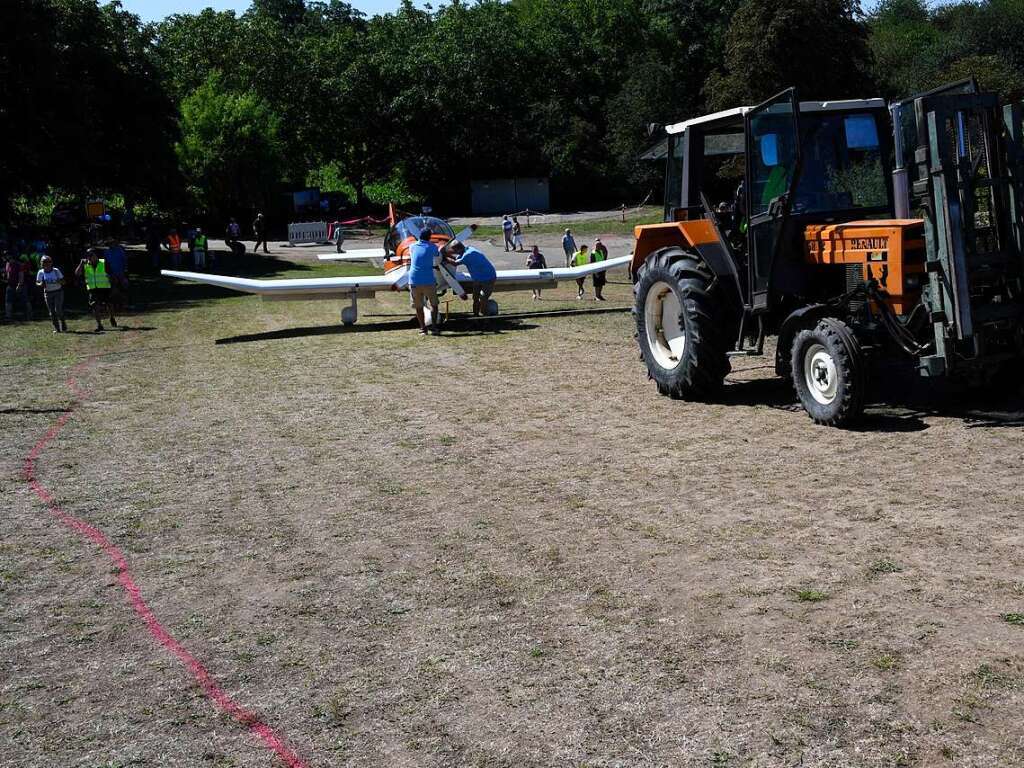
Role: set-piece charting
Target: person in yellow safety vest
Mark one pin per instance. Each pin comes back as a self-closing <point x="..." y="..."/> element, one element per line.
<point x="199" y="249"/>
<point x="93" y="272"/>
<point x="579" y="259"/>
<point x="599" y="253"/>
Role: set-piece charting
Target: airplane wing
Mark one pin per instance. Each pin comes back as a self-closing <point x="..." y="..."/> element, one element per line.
<point x="521" y="279"/>
<point x="365" y="254"/>
<point x="364" y="286"/>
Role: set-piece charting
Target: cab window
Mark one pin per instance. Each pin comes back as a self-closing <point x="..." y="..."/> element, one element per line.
<point x="842" y="164"/>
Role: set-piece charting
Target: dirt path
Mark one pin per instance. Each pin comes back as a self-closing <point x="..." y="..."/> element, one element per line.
<point x="497" y="548"/>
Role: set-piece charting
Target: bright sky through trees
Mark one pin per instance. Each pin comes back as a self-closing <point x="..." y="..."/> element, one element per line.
<point x="156" y="10"/>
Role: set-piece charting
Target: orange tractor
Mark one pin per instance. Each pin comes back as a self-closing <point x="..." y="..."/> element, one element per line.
<point x="853" y="232"/>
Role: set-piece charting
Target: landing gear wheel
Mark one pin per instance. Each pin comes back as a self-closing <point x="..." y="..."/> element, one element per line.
<point x="684" y="324"/>
<point x="828" y="373"/>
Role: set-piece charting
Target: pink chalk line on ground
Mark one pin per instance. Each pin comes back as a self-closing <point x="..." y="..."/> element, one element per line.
<point x="221" y="699"/>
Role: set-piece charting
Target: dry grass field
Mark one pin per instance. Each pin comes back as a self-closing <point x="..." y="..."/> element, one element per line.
<point x="498" y="547"/>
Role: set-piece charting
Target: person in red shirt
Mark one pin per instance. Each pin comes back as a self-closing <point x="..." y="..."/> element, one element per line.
<point x="18" y="276"/>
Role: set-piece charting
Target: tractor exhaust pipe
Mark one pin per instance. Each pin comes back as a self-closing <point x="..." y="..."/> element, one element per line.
<point x="900" y="177"/>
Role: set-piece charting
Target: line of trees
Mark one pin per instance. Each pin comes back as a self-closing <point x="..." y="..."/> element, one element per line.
<point x="217" y="112"/>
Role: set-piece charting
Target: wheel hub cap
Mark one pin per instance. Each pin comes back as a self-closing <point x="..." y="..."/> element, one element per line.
<point x="666" y="337"/>
<point x="820" y="374"/>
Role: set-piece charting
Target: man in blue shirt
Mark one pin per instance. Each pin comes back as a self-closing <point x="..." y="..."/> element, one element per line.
<point x="117" y="269"/>
<point x="422" y="288"/>
<point x="480" y="269"/>
<point x="569" y="246"/>
<point x="506" y="227"/>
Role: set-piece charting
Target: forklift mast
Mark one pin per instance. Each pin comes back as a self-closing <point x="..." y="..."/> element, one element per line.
<point x="967" y="183"/>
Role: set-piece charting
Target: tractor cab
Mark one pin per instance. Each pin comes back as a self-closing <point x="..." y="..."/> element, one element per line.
<point x="761" y="174"/>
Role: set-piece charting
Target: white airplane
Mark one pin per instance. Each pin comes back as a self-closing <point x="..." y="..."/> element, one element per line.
<point x="394" y="256"/>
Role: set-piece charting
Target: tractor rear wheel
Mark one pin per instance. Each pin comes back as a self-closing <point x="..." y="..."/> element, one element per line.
<point x="828" y="373"/>
<point x="684" y="324"/>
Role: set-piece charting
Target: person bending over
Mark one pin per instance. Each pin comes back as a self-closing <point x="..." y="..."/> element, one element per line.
<point x="480" y="270"/>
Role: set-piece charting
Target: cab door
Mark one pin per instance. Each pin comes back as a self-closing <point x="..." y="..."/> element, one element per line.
<point x="773" y="169"/>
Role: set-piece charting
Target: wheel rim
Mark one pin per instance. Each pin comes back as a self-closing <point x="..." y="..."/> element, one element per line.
<point x="820" y="374"/>
<point x="666" y="337"/>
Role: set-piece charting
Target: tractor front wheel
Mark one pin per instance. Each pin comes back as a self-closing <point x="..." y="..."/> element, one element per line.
<point x="828" y="373"/>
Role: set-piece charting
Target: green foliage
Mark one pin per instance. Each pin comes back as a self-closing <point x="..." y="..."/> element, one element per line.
<point x="415" y="104"/>
<point x="230" y="149"/>
<point x="391" y="190"/>
<point x="37" y="210"/>
<point x="330" y="177"/>
<point x="819" y="46"/>
<point x="68" y="68"/>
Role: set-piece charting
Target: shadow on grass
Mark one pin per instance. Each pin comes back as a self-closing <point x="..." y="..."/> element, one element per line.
<point x="535" y="314"/>
<point x="454" y="327"/>
<point x="32" y="411"/>
<point x="900" y="406"/>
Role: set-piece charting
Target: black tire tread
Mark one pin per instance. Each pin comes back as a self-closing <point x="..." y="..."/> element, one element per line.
<point x="846" y="352"/>
<point x="707" y="317"/>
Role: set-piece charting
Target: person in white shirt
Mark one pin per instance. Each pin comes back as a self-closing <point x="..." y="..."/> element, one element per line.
<point x="51" y="280"/>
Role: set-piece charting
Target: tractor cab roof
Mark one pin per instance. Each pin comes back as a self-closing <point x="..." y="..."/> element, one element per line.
<point x="735" y="115"/>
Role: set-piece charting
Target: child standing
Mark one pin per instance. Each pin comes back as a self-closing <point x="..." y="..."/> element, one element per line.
<point x="51" y="280"/>
<point x="535" y="260"/>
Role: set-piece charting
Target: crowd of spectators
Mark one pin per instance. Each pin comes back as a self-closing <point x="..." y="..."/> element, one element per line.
<point x="40" y="270"/>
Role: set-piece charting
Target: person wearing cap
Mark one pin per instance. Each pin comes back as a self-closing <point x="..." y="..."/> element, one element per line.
<point x="480" y="269"/>
<point x="51" y="280"/>
<point x="599" y="253"/>
<point x="569" y="246"/>
<point x="93" y="271"/>
<point x="423" y="254"/>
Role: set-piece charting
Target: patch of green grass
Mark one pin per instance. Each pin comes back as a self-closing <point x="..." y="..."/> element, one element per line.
<point x="886" y="662"/>
<point x="536" y="653"/>
<point x="389" y="488"/>
<point x="884" y="566"/>
<point x="1014" y="618"/>
<point x="811" y="595"/>
<point x="610" y="226"/>
<point x="448" y="439"/>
